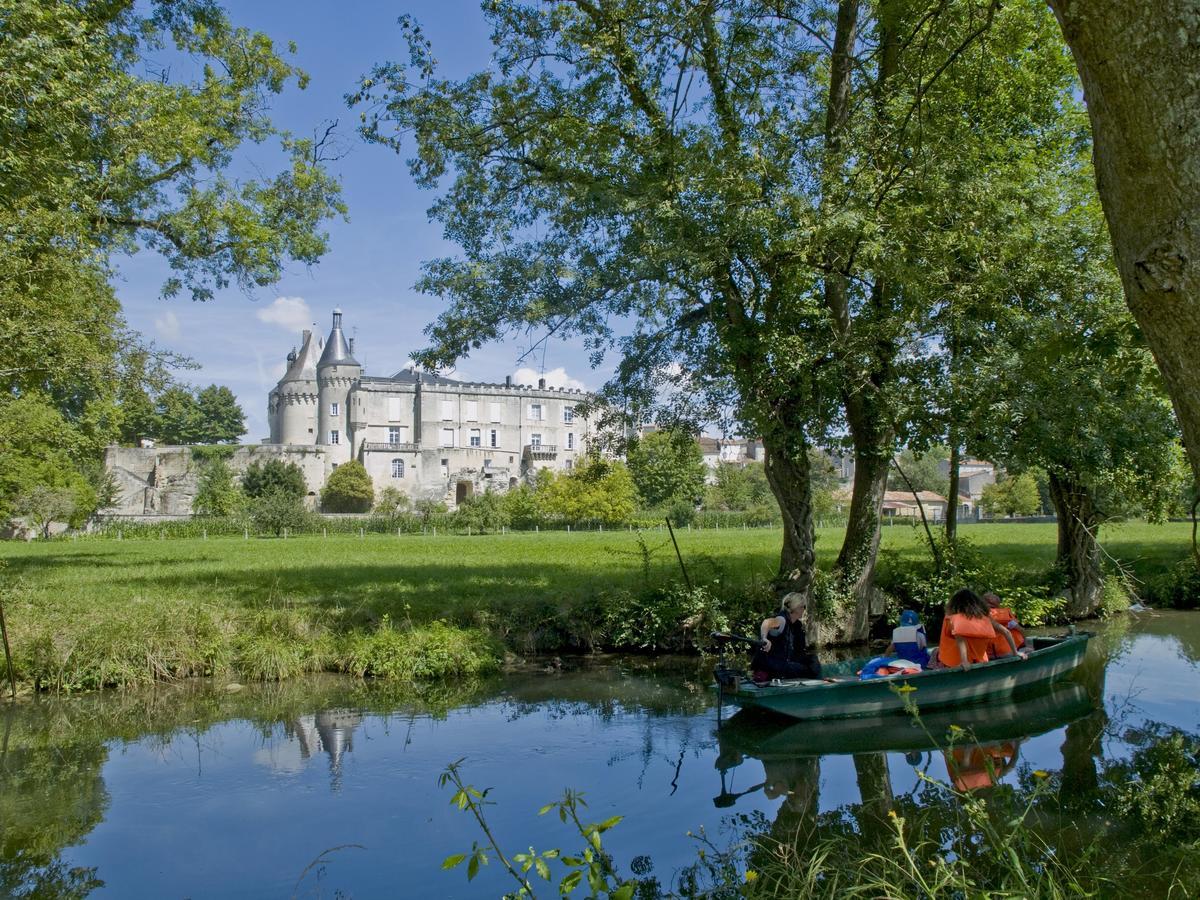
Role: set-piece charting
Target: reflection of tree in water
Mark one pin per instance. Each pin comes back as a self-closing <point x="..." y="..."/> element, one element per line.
<point x="51" y="797"/>
<point x="330" y="731"/>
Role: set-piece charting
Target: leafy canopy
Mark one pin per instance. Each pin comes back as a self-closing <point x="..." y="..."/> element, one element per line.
<point x="348" y="489"/>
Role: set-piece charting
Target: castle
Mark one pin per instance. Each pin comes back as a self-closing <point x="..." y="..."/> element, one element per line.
<point x="427" y="435"/>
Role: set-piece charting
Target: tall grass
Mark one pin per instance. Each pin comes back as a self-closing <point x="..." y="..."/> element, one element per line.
<point x="106" y="612"/>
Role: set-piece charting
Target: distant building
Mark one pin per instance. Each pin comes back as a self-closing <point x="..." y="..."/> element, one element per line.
<point x="427" y="435"/>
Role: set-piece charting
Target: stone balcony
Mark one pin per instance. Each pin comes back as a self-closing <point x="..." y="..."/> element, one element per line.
<point x="541" y="451"/>
<point x="385" y="447"/>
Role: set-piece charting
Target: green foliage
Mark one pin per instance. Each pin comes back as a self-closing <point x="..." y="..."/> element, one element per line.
<point x="279" y="511"/>
<point x="348" y="489"/>
<point x="523" y="506"/>
<point x="1157" y="791"/>
<point x="592" y="864"/>
<point x="738" y="487"/>
<point x="923" y="471"/>
<point x="272" y="477"/>
<point x="183" y="415"/>
<point x="1015" y="495"/>
<point x="1178" y="588"/>
<point x="38" y="469"/>
<point x="667" y="468"/>
<point x="216" y="493"/>
<point x="597" y="489"/>
<point x="674" y="618"/>
<point x="481" y="513"/>
<point x="429" y="652"/>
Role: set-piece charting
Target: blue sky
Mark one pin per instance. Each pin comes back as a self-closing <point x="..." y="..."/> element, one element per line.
<point x="374" y="259"/>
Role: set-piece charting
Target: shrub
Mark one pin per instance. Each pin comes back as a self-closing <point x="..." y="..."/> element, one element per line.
<point x="437" y="650"/>
<point x="1178" y="588"/>
<point x="278" y="511"/>
<point x="348" y="490"/>
<point x="216" y="494"/>
<point x="273" y="476"/>
<point x="483" y="512"/>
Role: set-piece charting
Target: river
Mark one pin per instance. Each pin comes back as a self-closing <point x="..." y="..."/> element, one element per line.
<point x="329" y="786"/>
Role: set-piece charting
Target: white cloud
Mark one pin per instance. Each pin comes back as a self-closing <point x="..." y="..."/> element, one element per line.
<point x="555" y="378"/>
<point x="167" y="326"/>
<point x="289" y="313"/>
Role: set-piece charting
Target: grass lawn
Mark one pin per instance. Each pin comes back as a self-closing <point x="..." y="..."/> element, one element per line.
<point x="68" y="599"/>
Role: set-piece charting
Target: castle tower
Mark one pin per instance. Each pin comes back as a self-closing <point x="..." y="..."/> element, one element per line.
<point x="292" y="406"/>
<point x="337" y="373"/>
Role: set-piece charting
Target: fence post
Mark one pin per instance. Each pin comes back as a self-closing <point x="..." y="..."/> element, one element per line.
<point x="435" y="531"/>
<point x="325" y="531"/>
<point x="285" y="534"/>
<point x="360" y="533"/>
<point x="536" y="529"/>
<point x="246" y="534"/>
<point x="120" y="534"/>
<point x="397" y="532"/>
<point x="204" y="534"/>
<point x="568" y="528"/>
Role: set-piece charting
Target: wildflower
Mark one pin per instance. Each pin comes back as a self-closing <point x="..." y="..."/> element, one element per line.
<point x="751" y="876"/>
<point x="1041" y="773"/>
<point x="905" y="689"/>
<point x="892" y="813"/>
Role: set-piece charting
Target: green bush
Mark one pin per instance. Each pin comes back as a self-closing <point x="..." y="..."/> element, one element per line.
<point x="1179" y="588"/>
<point x="434" y="651"/>
<point x="348" y="490"/>
<point x="273" y="476"/>
<point x="481" y="513"/>
<point x="279" y="511"/>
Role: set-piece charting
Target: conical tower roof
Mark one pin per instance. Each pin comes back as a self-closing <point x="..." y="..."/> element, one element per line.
<point x="337" y="350"/>
<point x="304" y="366"/>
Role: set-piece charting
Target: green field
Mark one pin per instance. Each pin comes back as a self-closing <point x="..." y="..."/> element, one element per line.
<point x="90" y="612"/>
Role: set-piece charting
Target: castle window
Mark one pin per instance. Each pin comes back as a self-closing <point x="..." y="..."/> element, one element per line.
<point x="570" y="440"/>
<point x="535" y="440"/>
<point x="535" y="412"/>
<point x="494" y="412"/>
<point x="447" y="437"/>
<point x="570" y="464"/>
<point x="333" y="411"/>
<point x="447" y="410"/>
<point x="493" y="438"/>
<point x="472" y="411"/>
<point x="397" y="468"/>
<point x="568" y="414"/>
<point x="476" y="440"/>
<point x="393" y="408"/>
<point x="333" y="436"/>
<point x="394" y="434"/>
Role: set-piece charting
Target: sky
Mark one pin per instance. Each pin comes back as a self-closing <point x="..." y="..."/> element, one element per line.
<point x="240" y="340"/>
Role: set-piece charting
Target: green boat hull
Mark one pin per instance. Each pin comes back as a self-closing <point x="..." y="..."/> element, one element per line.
<point x="1051" y="659"/>
<point x="768" y="737"/>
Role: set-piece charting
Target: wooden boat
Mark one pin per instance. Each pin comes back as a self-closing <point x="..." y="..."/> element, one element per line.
<point x="764" y="736"/>
<point x="847" y="696"/>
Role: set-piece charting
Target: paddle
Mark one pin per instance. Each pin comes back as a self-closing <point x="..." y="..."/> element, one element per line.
<point x="722" y="637"/>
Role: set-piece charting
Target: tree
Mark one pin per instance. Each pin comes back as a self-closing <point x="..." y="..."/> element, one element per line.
<point x="38" y="452"/>
<point x="392" y="504"/>
<point x="220" y="419"/>
<point x="736" y="180"/>
<point x="482" y="512"/>
<point x="738" y="487"/>
<point x="1016" y="495"/>
<point x="667" y="467"/>
<point x="278" y="511"/>
<point x="923" y="470"/>
<point x="43" y="506"/>
<point x="273" y="477"/>
<point x="348" y="489"/>
<point x="596" y="489"/>
<point x="216" y="493"/>
<point x="102" y="147"/>
<point x="176" y="418"/>
<point x="1138" y="66"/>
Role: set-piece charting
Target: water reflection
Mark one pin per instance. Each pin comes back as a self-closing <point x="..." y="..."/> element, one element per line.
<point x="92" y="787"/>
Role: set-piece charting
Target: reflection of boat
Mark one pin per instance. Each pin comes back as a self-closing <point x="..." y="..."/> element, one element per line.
<point x="751" y="733"/>
<point x="1052" y="657"/>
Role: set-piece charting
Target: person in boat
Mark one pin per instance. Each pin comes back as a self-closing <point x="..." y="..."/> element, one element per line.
<point x="1005" y="617"/>
<point x="908" y="639"/>
<point x="968" y="633"/>
<point x="784" y="652"/>
<point x="974" y="766"/>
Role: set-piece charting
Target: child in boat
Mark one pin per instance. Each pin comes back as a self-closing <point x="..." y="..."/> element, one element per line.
<point x="908" y="639"/>
<point x="785" y="652"/>
<point x="968" y="632"/>
<point x="1005" y="617"/>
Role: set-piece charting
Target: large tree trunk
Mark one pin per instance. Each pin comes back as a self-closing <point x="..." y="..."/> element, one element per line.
<point x="1078" y="549"/>
<point x="854" y="571"/>
<point x="876" y="799"/>
<point x="789" y="474"/>
<point x="1139" y="61"/>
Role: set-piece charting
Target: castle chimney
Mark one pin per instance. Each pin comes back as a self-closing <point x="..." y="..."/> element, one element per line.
<point x="541" y="384"/>
<point x="351" y="346"/>
<point x="508" y="381"/>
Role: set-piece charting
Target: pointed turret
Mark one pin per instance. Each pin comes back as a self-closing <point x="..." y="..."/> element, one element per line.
<point x="292" y="407"/>
<point x="337" y="350"/>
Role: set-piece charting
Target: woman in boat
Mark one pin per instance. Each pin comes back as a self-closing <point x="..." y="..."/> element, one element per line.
<point x="784" y="652"/>
<point x="968" y="632"/>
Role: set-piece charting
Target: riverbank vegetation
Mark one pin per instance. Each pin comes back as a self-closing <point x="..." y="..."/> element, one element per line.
<point x="93" y="612"/>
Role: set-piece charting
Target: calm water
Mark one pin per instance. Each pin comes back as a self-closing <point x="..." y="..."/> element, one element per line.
<point x="328" y="787"/>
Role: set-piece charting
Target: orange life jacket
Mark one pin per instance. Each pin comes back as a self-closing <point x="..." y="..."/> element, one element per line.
<point x="977" y="633"/>
<point x="979" y="766"/>
<point x="1004" y="615"/>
